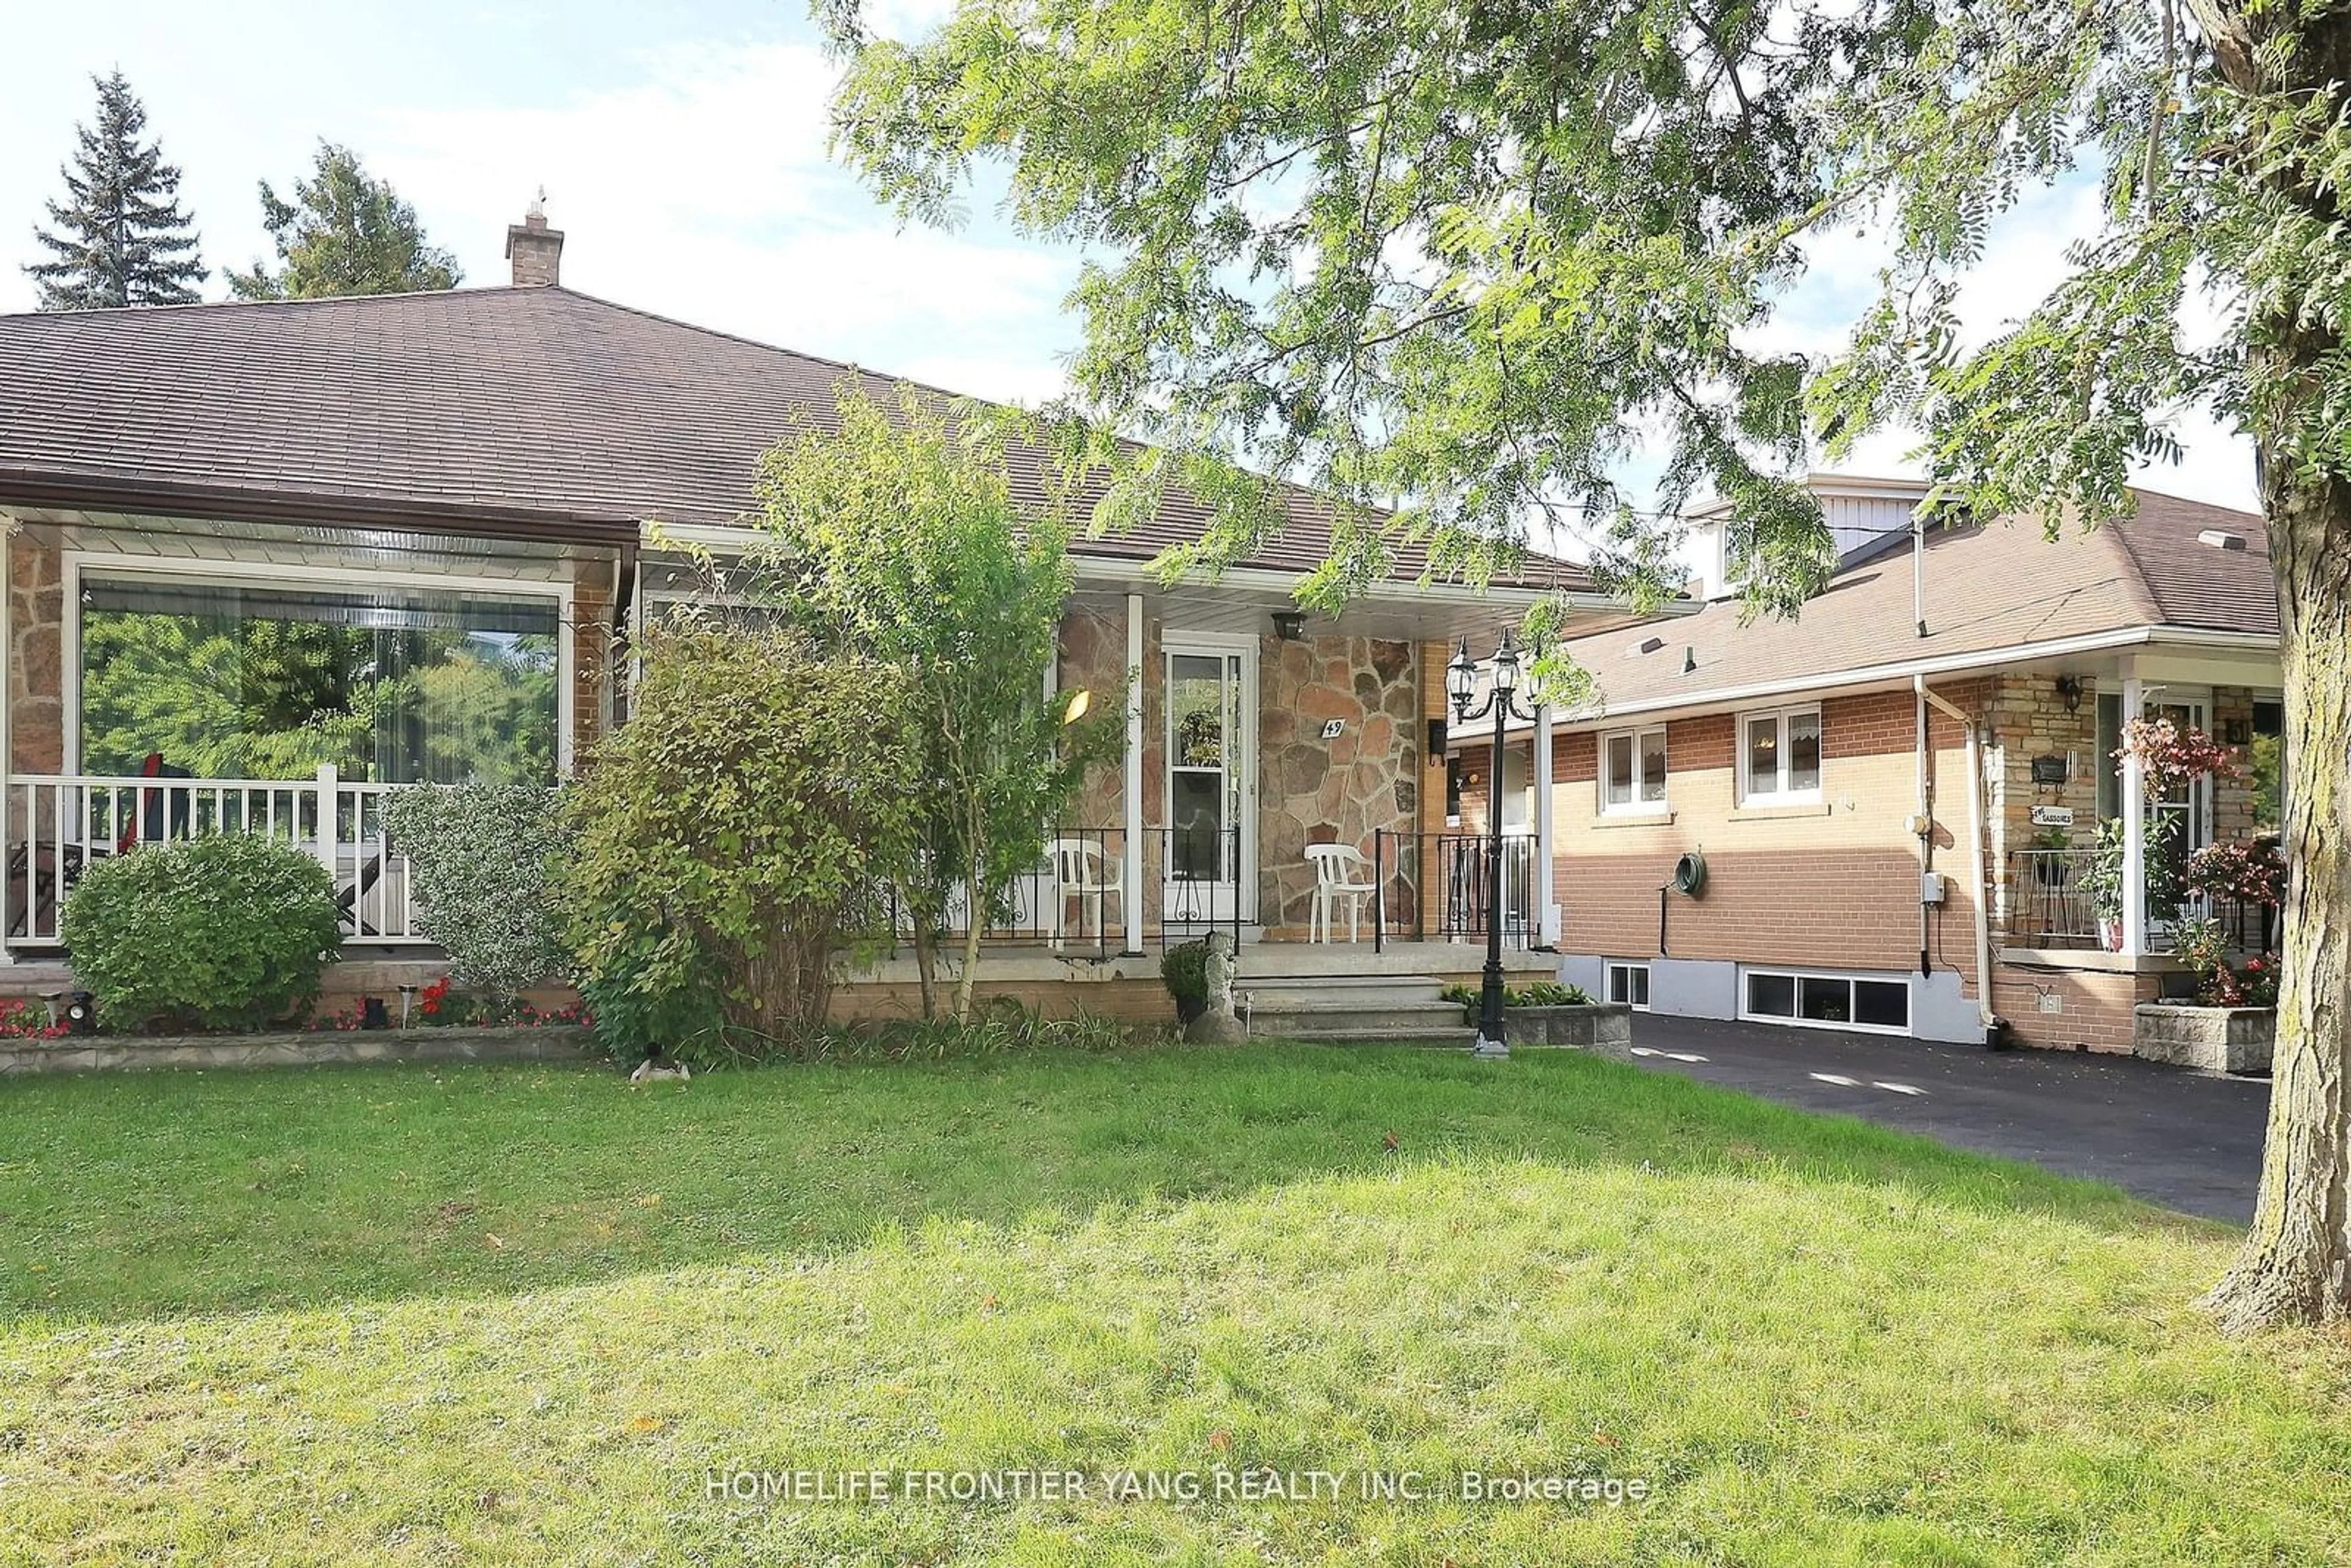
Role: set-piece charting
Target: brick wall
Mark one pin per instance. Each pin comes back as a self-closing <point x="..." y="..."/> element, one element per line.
<point x="1832" y="885"/>
<point x="2095" y="1006"/>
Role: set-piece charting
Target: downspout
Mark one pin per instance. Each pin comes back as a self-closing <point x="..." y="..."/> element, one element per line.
<point x="1975" y="847"/>
<point x="1925" y="821"/>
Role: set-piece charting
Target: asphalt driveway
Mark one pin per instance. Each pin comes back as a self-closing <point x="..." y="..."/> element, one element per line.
<point x="2181" y="1139"/>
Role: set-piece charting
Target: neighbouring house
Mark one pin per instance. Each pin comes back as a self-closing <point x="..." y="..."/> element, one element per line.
<point x="1895" y="796"/>
<point x="267" y="561"/>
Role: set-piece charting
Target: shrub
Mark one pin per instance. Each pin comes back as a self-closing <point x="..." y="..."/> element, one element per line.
<point x="1536" y="994"/>
<point x="2204" y="948"/>
<point x="1184" y="969"/>
<point x="722" y="842"/>
<point x="229" y="932"/>
<point x="477" y="859"/>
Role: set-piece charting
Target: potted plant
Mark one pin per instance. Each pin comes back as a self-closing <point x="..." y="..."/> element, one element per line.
<point x="2052" y="870"/>
<point x="2102" y="878"/>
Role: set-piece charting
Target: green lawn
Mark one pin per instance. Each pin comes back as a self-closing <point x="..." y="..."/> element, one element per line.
<point x="521" y="1314"/>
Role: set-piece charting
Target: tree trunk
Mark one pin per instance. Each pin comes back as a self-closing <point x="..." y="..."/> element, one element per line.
<point x="977" y="894"/>
<point x="2295" y="1267"/>
<point x="926" y="958"/>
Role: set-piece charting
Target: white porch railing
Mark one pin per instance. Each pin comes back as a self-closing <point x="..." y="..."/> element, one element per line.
<point x="58" y="824"/>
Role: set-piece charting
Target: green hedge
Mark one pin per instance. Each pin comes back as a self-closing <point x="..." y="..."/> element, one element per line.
<point x="223" y="933"/>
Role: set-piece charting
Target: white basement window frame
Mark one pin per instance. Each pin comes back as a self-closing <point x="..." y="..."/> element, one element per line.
<point x="1779" y="755"/>
<point x="1633" y="772"/>
<point x="1628" y="983"/>
<point x="1826" y="999"/>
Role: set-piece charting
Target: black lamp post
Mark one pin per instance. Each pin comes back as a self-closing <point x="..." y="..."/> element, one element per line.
<point x="1461" y="684"/>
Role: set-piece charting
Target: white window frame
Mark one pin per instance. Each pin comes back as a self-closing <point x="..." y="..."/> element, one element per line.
<point x="1625" y="967"/>
<point x="1779" y="794"/>
<point x="1797" y="978"/>
<point x="1636" y="805"/>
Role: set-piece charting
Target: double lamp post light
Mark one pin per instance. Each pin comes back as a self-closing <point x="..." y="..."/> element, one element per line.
<point x="1502" y="700"/>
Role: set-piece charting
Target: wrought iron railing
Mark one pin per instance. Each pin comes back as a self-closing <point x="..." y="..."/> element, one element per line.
<point x="1438" y="886"/>
<point x="1075" y="901"/>
<point x="2050" y="904"/>
<point x="2049" y="900"/>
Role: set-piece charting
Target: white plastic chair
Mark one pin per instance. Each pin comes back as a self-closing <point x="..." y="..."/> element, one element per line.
<point x="1082" y="872"/>
<point x="1335" y="868"/>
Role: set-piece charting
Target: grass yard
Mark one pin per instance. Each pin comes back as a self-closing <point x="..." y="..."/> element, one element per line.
<point x="521" y="1315"/>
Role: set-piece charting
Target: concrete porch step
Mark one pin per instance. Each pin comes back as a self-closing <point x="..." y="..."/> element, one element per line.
<point x="1309" y="993"/>
<point x="1458" y="1035"/>
<point x="1320" y="1005"/>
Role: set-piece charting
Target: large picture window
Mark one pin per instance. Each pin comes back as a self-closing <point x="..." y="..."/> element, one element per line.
<point x="1779" y="755"/>
<point x="389" y="683"/>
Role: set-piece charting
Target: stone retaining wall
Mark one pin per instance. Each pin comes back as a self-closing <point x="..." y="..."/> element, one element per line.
<point x="562" y="1042"/>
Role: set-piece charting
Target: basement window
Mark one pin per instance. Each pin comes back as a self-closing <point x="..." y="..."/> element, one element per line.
<point x="1868" y="1003"/>
<point x="1629" y="984"/>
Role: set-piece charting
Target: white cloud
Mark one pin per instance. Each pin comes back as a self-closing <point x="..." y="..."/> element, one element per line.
<point x="703" y="192"/>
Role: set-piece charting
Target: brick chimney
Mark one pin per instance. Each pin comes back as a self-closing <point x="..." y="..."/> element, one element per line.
<point x="535" y="250"/>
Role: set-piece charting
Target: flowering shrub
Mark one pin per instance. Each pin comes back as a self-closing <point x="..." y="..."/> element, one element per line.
<point x="2201" y="945"/>
<point x="2166" y="753"/>
<point x="2245" y="870"/>
<point x="20" y="1019"/>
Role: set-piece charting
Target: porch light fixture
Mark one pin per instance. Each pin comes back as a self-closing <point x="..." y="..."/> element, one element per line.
<point x="1461" y="686"/>
<point x="2069" y="690"/>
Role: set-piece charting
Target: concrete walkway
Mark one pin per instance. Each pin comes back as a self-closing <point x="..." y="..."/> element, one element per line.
<point x="2181" y="1139"/>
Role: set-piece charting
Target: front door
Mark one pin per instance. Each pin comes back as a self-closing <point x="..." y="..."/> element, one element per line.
<point x="1210" y="845"/>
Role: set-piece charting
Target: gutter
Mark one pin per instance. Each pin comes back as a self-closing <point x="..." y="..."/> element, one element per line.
<point x="1135" y="575"/>
<point x="1984" y="1014"/>
<point x="1908" y="671"/>
<point x="229" y="503"/>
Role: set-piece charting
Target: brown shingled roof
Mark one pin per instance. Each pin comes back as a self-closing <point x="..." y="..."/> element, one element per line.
<point x="507" y="403"/>
<point x="1989" y="588"/>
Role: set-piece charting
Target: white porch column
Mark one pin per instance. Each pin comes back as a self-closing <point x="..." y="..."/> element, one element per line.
<point x="1131" y="837"/>
<point x="8" y="736"/>
<point x="2134" y="805"/>
<point x="330" y="836"/>
<point x="1546" y="888"/>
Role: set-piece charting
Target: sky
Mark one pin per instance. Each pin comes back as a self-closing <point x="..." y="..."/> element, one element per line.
<point x="682" y="149"/>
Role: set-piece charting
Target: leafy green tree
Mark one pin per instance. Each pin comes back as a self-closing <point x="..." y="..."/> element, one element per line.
<point x="895" y="530"/>
<point x="120" y="238"/>
<point x="1475" y="254"/>
<point x="343" y="233"/>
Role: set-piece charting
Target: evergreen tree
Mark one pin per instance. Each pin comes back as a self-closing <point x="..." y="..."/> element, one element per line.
<point x="121" y="237"/>
<point x="343" y="233"/>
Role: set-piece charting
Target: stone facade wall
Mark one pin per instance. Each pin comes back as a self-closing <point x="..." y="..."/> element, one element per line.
<point x="2029" y="718"/>
<point x="1364" y="780"/>
<point x="1094" y="658"/>
<point x="36" y="609"/>
<point x="1308" y="790"/>
<point x="2233" y="799"/>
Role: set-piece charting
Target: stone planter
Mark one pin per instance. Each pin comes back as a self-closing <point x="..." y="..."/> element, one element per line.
<point x="89" y="1053"/>
<point x="1603" y="1026"/>
<point x="2216" y="1040"/>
